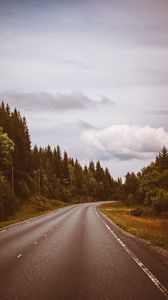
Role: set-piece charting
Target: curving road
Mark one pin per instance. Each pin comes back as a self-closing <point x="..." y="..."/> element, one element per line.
<point x="75" y="253"/>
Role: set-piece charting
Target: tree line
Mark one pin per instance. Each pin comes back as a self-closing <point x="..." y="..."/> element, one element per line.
<point x="26" y="171"/>
<point x="150" y="185"/>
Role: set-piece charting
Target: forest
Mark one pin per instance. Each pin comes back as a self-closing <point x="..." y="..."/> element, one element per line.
<point x="26" y="171"/>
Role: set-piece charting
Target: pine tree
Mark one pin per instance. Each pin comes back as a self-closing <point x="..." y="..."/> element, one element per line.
<point x="78" y="177"/>
<point x="162" y="160"/>
<point x="57" y="163"/>
<point x="99" y="172"/>
<point x="65" y="169"/>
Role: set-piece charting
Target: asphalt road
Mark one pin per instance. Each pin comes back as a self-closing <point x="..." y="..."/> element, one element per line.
<point x="76" y="254"/>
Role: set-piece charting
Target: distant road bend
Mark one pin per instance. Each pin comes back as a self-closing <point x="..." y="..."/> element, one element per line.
<point x="75" y="253"/>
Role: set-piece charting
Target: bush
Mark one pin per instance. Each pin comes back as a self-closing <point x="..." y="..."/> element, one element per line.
<point x="160" y="201"/>
<point x="137" y="212"/>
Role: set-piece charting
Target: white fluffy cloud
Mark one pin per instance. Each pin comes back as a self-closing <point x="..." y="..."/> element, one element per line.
<point x="124" y="142"/>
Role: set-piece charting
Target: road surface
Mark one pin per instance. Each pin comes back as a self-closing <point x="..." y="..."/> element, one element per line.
<point x="76" y="254"/>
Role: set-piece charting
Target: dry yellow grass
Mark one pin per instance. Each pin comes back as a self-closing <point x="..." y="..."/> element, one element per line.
<point x="154" y="229"/>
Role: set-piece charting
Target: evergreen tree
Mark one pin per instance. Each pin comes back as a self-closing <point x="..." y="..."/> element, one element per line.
<point x="65" y="169"/>
<point x="162" y="159"/>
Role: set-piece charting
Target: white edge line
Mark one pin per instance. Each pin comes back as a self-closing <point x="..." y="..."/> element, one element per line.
<point x="97" y="212"/>
<point x="158" y="284"/>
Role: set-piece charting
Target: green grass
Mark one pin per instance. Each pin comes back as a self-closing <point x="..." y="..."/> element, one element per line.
<point x="147" y="226"/>
<point x="34" y="207"/>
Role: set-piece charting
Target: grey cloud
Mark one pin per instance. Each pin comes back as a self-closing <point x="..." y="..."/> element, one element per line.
<point x="138" y="22"/>
<point x="158" y="112"/>
<point x="85" y="125"/>
<point x="155" y="76"/>
<point x="80" y="64"/>
<point x="128" y="22"/>
<point x="106" y="101"/>
<point x="79" y="124"/>
<point x="49" y="102"/>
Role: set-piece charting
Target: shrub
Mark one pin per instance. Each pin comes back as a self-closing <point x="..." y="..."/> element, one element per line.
<point x="136" y="212"/>
<point x="160" y="201"/>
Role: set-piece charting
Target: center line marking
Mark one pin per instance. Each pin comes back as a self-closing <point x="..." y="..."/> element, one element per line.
<point x="158" y="284"/>
<point x="19" y="255"/>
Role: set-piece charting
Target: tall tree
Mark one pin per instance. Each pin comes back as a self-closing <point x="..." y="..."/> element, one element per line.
<point x="6" y="149"/>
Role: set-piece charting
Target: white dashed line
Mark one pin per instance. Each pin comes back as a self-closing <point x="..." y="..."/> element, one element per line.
<point x="2" y="231"/>
<point x="35" y="243"/>
<point x="19" y="255"/>
<point x="158" y="284"/>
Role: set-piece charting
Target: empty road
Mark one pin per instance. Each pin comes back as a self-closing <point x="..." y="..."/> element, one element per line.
<point x="75" y="253"/>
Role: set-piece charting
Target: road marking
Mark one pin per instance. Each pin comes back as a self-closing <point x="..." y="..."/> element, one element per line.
<point x="45" y="234"/>
<point x="2" y="231"/>
<point x="35" y="243"/>
<point x="97" y="213"/>
<point x="158" y="284"/>
<point x="19" y="255"/>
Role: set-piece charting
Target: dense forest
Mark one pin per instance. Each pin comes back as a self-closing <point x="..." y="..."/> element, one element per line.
<point x="150" y="186"/>
<point x="27" y="171"/>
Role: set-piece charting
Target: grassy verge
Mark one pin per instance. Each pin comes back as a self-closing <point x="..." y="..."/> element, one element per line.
<point x="147" y="226"/>
<point x="35" y="206"/>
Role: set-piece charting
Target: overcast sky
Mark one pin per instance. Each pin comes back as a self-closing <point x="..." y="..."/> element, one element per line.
<point x="91" y="76"/>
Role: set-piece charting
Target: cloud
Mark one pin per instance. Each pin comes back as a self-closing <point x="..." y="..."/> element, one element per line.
<point x="85" y="125"/>
<point x="158" y="112"/>
<point x="106" y="101"/>
<point x="124" y="142"/>
<point x="48" y="102"/>
<point x="79" y="64"/>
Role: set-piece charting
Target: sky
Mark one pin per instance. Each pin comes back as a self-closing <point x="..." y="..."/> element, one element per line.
<point x="91" y="76"/>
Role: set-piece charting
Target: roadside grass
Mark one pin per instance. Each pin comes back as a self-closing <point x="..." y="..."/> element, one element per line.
<point x="147" y="226"/>
<point x="34" y="207"/>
